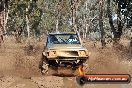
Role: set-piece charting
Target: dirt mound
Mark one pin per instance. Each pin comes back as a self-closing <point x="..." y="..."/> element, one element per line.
<point x="14" y="59"/>
<point x="108" y="60"/>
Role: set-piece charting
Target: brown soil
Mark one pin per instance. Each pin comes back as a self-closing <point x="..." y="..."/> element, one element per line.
<point x="19" y="66"/>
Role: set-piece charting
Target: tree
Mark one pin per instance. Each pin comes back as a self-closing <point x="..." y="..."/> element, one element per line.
<point x="120" y="21"/>
<point x="101" y="3"/>
<point x="24" y="18"/>
<point x="73" y="8"/>
<point x="4" y="16"/>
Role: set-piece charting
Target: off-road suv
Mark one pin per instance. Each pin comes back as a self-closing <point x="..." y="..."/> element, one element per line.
<point x="63" y="50"/>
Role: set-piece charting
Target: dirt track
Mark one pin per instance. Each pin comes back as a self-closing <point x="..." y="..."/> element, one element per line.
<point x="19" y="67"/>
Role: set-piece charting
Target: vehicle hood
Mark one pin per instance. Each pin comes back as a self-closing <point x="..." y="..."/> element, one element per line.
<point x="67" y="47"/>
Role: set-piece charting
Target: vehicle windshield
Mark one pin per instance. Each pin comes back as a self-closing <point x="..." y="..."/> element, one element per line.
<point x="63" y="39"/>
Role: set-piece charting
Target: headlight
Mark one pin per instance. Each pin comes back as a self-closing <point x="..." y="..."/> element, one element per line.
<point x="82" y="53"/>
<point x="51" y="53"/>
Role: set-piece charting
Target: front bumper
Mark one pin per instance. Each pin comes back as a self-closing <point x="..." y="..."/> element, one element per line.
<point x="69" y="61"/>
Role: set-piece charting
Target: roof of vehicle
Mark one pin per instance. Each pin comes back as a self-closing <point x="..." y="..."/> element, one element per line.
<point x="62" y="33"/>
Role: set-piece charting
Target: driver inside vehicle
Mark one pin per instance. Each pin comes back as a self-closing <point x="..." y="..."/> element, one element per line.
<point x="53" y="39"/>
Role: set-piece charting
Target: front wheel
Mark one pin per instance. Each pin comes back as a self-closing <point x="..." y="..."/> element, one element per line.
<point x="43" y="65"/>
<point x="44" y="68"/>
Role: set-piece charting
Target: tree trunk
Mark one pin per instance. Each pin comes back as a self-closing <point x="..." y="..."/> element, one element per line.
<point x="1" y="34"/>
<point x="27" y="23"/>
<point x="85" y="18"/>
<point x="74" y="9"/>
<point x="101" y="23"/>
<point x="130" y="47"/>
<point x="19" y="34"/>
<point x="1" y="26"/>
<point x="119" y="23"/>
<point x="83" y="28"/>
<point x="116" y="32"/>
<point x="5" y="19"/>
<point x="83" y="32"/>
<point x="57" y="17"/>
<point x="57" y="23"/>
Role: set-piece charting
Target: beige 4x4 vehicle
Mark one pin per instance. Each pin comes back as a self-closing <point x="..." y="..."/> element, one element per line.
<point x="63" y="50"/>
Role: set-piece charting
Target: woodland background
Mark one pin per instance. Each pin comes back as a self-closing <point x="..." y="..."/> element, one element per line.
<point x="104" y="21"/>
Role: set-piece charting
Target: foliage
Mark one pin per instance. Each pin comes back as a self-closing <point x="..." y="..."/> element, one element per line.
<point x="43" y="16"/>
<point x="17" y="16"/>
